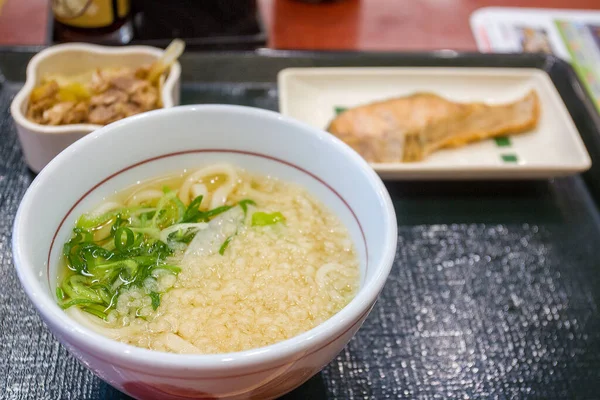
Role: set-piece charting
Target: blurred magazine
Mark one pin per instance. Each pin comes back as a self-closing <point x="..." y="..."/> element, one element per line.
<point x="573" y="35"/>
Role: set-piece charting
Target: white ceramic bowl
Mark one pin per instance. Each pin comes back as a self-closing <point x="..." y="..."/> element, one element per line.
<point x="41" y="143"/>
<point x="163" y="141"/>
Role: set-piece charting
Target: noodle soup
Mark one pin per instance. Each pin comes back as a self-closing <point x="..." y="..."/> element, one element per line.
<point x="210" y="261"/>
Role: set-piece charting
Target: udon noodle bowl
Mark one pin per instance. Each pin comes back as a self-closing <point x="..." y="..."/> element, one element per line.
<point x="209" y="261"/>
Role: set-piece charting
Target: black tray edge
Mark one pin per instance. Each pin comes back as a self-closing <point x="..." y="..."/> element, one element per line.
<point x="563" y="76"/>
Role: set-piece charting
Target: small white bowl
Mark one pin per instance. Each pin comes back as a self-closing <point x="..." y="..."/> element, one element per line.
<point x="41" y="143"/>
<point x="163" y="141"/>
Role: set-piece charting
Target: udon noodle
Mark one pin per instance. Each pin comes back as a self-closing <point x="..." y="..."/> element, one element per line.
<point x="209" y="261"/>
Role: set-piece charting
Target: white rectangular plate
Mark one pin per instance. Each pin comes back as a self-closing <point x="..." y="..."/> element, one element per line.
<point x="553" y="149"/>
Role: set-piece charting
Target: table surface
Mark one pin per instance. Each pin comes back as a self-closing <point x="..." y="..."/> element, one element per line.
<point x="391" y="25"/>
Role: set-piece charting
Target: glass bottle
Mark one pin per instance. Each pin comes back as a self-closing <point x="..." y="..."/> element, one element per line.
<point x="100" y="21"/>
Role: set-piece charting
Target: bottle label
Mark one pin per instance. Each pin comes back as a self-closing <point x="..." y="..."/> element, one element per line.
<point x="89" y="13"/>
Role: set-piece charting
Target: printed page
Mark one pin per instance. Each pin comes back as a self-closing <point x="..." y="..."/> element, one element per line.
<point x="568" y="34"/>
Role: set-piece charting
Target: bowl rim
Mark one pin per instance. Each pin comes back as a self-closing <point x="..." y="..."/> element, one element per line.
<point x="304" y="344"/>
<point x="22" y="95"/>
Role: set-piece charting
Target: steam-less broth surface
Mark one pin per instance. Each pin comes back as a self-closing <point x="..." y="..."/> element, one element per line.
<point x="209" y="261"/>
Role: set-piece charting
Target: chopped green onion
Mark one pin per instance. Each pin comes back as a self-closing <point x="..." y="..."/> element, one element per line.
<point x="94" y="310"/>
<point x="171" y="268"/>
<point x="510" y="158"/>
<point x="224" y="245"/>
<point x="129" y="240"/>
<point x="153" y="232"/>
<point x="216" y="211"/>
<point x="503" y="141"/>
<point x="77" y="287"/>
<point x="70" y="303"/>
<point x="192" y="212"/>
<point x="155" y="300"/>
<point x="169" y="210"/>
<point x="244" y="204"/>
<point x="263" y="219"/>
<point x="338" y="110"/>
<point x="87" y="221"/>
<point x="182" y="236"/>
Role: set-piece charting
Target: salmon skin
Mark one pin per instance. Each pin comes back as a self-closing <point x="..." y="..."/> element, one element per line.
<point x="408" y="129"/>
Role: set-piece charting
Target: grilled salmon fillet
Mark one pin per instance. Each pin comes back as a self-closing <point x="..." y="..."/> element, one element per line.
<point x="410" y="128"/>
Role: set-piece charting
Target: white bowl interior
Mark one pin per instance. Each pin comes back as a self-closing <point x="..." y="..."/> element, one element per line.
<point x="191" y="162"/>
<point x="142" y="147"/>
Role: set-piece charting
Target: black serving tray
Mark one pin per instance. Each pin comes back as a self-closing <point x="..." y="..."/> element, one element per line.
<point x="494" y="292"/>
